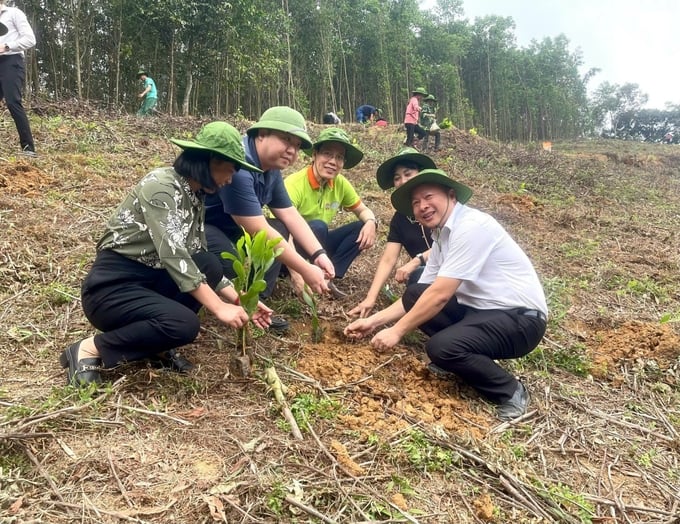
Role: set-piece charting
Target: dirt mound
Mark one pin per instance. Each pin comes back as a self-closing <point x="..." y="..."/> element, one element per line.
<point x="648" y="346"/>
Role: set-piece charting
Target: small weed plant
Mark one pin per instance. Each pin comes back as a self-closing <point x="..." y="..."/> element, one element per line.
<point x="310" y="300"/>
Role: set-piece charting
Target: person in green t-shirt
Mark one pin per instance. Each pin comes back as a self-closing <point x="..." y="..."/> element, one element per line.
<point x="319" y="192"/>
<point x="149" y="95"/>
<point x="153" y="271"/>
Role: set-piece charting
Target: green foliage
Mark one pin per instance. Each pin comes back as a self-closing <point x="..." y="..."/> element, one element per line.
<point x="425" y="455"/>
<point x="573" y="359"/>
<point x="573" y="503"/>
<point x="308" y="406"/>
<point x="275" y="499"/>
<point x="255" y="255"/>
<point x="58" y="293"/>
<point x="446" y="123"/>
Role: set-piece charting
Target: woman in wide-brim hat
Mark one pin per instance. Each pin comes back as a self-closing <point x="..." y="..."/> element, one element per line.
<point x="152" y="272"/>
<point x="403" y="231"/>
<point x="412" y="116"/>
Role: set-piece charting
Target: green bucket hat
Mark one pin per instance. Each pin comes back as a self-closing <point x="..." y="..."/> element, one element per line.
<point x="385" y="174"/>
<point x="401" y="198"/>
<point x="221" y="138"/>
<point x="353" y="154"/>
<point x="141" y="72"/>
<point x="430" y="97"/>
<point x="419" y="91"/>
<point x="285" y="119"/>
<point x="3" y="29"/>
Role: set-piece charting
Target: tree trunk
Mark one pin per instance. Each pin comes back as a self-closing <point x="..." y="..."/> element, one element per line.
<point x="189" y="85"/>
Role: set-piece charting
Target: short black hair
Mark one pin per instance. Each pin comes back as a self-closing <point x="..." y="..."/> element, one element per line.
<point x="408" y="164"/>
<point x="195" y="165"/>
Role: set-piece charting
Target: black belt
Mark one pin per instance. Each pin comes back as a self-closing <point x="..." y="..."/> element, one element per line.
<point x="533" y="313"/>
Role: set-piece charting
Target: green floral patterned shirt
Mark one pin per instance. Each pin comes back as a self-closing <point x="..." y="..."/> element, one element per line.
<point x="160" y="224"/>
<point x="427" y="116"/>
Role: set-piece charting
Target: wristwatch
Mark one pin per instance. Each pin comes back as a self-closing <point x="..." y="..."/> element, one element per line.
<point x="420" y="257"/>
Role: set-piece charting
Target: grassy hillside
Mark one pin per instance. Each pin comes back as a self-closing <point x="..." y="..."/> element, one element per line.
<point x="383" y="441"/>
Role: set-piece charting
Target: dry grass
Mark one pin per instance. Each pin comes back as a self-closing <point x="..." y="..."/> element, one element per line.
<point x="383" y="441"/>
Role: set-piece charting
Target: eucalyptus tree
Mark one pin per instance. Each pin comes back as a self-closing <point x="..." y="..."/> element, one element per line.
<point x="486" y="68"/>
<point x="613" y="102"/>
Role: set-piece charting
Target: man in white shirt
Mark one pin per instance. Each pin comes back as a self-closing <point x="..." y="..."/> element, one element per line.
<point x="479" y="297"/>
<point x="16" y="36"/>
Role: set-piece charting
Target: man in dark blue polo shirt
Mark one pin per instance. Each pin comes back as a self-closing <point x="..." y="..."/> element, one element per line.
<point x="271" y="144"/>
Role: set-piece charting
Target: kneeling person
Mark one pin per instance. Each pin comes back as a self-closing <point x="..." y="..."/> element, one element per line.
<point x="479" y="297"/>
<point x="319" y="191"/>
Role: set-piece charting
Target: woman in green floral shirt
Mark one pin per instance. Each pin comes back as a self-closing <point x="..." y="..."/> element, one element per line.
<point x="153" y="272"/>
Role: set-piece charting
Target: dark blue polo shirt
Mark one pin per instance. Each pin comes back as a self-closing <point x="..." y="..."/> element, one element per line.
<point x="246" y="194"/>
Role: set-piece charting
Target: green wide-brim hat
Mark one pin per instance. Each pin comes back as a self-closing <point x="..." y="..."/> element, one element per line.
<point x="353" y="154"/>
<point x="285" y="119"/>
<point x="3" y="29"/>
<point x="430" y="97"/>
<point x="401" y="198"/>
<point x="142" y="72"/>
<point x="419" y="91"/>
<point x="385" y="174"/>
<point x="221" y="138"/>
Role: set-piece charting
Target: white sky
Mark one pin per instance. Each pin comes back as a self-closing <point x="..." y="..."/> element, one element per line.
<point x="630" y="41"/>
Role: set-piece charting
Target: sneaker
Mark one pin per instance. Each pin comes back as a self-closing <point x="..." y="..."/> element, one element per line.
<point x="335" y="291"/>
<point x="28" y="152"/>
<point x="279" y="325"/>
<point x="516" y="406"/>
<point x="440" y="372"/>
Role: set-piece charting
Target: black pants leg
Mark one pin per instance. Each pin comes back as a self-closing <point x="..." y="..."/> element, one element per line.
<point x="140" y="310"/>
<point x="410" y="131"/>
<point x="12" y="74"/>
<point x="340" y="244"/>
<point x="474" y="339"/>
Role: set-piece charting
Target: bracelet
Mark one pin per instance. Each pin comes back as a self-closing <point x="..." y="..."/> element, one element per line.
<point x="374" y="220"/>
<point x="317" y="254"/>
<point x="420" y="257"/>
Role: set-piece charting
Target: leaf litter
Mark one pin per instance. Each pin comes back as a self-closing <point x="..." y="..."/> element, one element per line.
<point x="210" y="447"/>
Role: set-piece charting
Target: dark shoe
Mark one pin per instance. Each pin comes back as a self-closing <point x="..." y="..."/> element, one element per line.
<point x="516" y="406"/>
<point x="172" y="360"/>
<point x="440" y="372"/>
<point x="335" y="291"/>
<point x="27" y="151"/>
<point x="279" y="325"/>
<point x="80" y="372"/>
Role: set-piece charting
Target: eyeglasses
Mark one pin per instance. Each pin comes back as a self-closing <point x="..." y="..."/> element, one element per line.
<point x="329" y="155"/>
<point x="288" y="139"/>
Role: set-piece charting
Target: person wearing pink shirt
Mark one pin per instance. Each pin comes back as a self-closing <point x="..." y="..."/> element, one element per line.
<point x="412" y="116"/>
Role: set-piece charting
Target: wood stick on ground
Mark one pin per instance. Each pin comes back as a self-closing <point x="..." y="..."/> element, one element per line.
<point x="277" y="387"/>
<point x="292" y="500"/>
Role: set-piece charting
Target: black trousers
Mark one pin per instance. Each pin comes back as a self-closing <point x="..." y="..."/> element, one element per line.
<point x="467" y="341"/>
<point x="220" y="241"/>
<point x="340" y="243"/>
<point x="140" y="310"/>
<point x="412" y="129"/>
<point x="12" y="75"/>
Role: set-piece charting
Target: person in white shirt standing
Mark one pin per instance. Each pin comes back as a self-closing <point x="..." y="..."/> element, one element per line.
<point x="479" y="298"/>
<point x="16" y="36"/>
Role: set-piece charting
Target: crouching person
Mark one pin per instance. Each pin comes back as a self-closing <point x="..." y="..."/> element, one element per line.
<point x="319" y="191"/>
<point x="479" y="298"/>
<point x="152" y="272"/>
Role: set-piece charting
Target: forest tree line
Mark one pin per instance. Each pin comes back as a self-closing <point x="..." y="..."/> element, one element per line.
<point x="218" y="57"/>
